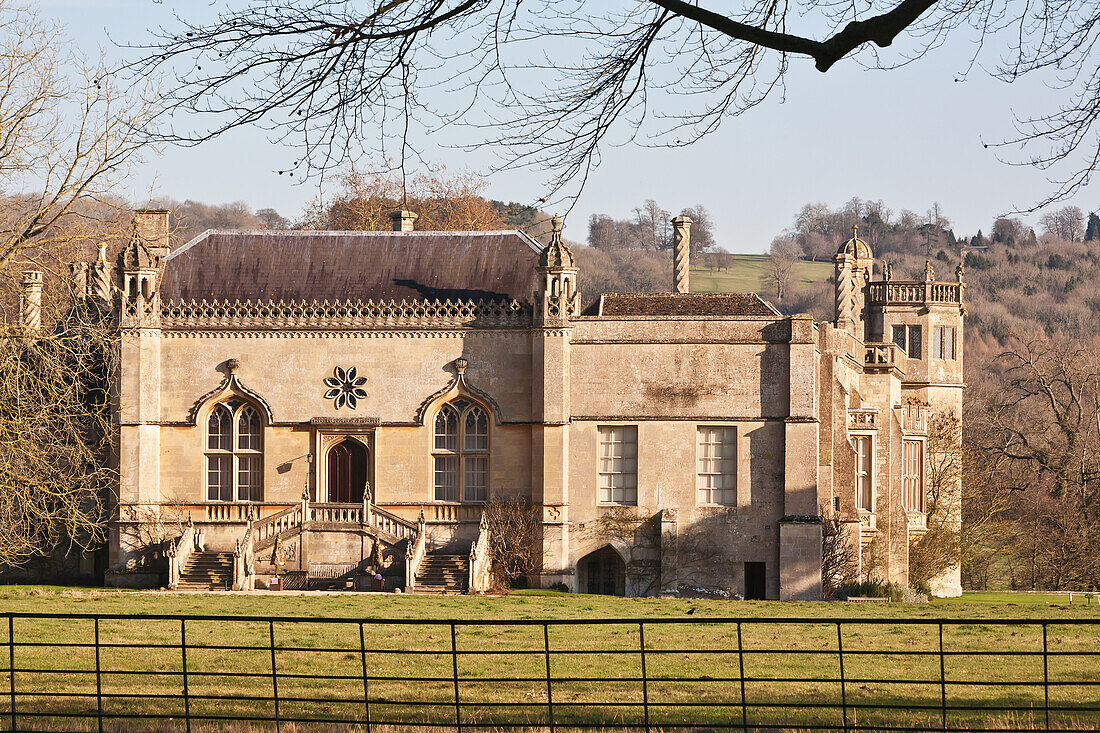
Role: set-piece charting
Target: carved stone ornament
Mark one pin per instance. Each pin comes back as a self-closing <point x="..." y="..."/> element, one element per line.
<point x="345" y="387"/>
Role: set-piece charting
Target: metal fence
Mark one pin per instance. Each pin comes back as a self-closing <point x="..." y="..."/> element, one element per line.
<point x="167" y="672"/>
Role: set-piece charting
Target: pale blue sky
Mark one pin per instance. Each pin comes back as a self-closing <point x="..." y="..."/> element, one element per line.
<point x="910" y="137"/>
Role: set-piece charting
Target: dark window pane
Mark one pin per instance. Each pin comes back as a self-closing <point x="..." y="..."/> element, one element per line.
<point x="914" y="342"/>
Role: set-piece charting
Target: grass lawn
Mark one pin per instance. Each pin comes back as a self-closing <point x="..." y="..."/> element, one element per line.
<point x="749" y="274"/>
<point x="686" y="664"/>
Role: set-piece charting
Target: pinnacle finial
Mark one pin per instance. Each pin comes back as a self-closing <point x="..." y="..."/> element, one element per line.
<point x="855" y="231"/>
<point x="556" y="226"/>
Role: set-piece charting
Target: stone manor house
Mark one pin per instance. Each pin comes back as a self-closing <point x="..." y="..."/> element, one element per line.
<point x="327" y="405"/>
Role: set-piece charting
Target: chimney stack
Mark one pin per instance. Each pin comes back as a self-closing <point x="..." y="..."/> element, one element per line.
<point x="681" y="252"/>
<point x="30" y="307"/>
<point x="99" y="285"/>
<point x="151" y="226"/>
<point x="403" y="221"/>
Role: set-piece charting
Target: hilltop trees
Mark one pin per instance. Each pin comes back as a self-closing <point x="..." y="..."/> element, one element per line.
<point x="442" y="201"/>
<point x="650" y="229"/>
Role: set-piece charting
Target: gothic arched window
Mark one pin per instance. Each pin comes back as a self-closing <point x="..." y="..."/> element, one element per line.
<point x="234" y="453"/>
<point x="460" y="452"/>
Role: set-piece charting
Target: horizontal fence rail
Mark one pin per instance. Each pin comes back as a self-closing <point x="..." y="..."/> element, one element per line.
<point x="100" y="672"/>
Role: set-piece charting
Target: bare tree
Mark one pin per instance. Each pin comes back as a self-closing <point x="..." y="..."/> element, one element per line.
<point x="441" y="200"/>
<point x="549" y="80"/>
<point x="839" y="556"/>
<point x="68" y="135"/>
<point x="55" y="436"/>
<point x="652" y="226"/>
<point x="1067" y="223"/>
<point x="514" y="539"/>
<point x="702" y="229"/>
<point x="784" y="255"/>
<point x="1041" y="422"/>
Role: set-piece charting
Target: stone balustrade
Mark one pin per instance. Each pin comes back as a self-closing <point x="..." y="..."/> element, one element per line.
<point x="896" y="292"/>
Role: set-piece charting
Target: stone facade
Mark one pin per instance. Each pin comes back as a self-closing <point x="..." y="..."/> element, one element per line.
<point x="669" y="441"/>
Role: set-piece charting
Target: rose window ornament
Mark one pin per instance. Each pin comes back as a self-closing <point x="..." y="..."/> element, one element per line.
<point x="345" y="387"/>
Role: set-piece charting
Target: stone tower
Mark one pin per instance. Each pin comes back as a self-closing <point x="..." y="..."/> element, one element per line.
<point x="853" y="267"/>
<point x="556" y="302"/>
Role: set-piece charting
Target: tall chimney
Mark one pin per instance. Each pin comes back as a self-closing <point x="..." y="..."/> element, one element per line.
<point x="681" y="244"/>
<point x="99" y="286"/>
<point x="30" y="304"/>
<point x="151" y="226"/>
<point x="403" y="221"/>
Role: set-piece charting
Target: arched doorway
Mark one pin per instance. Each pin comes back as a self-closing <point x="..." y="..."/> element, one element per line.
<point x="348" y="472"/>
<point x="603" y="572"/>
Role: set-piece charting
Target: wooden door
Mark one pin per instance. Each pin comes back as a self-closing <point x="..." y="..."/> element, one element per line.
<point x="348" y="472"/>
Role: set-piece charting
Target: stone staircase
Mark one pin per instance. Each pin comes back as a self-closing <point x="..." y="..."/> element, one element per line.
<point x="207" y="571"/>
<point x="442" y="574"/>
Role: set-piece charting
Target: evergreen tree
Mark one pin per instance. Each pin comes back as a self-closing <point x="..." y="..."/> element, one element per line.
<point x="1092" y="229"/>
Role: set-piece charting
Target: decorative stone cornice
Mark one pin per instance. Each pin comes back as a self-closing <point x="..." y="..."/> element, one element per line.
<point x="346" y="314"/>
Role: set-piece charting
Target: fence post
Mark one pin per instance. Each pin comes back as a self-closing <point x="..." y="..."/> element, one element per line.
<point x="186" y="692"/>
<point x="943" y="685"/>
<point x="454" y="669"/>
<point x="98" y="681"/>
<point x="549" y="690"/>
<point x="11" y="666"/>
<point x="366" y="687"/>
<point x="843" y="690"/>
<point x="1046" y="680"/>
<point x="645" y="681"/>
<point x="274" y="674"/>
<point x="741" y="664"/>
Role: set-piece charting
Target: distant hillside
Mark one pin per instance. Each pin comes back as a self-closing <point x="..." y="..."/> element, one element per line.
<point x="749" y="274"/>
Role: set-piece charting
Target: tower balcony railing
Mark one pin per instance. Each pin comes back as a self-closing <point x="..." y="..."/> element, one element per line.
<point x="900" y="292"/>
<point x="885" y="356"/>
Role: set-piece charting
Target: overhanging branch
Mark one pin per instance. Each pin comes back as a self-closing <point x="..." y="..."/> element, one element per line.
<point x="880" y="30"/>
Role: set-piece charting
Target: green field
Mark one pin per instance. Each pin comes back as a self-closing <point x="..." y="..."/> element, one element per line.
<point x="748" y="274"/>
<point x="686" y="663"/>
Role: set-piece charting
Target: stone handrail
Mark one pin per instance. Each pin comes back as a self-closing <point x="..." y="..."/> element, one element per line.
<point x="179" y="553"/>
<point x="480" y="561"/>
<point x="268" y="528"/>
<point x="243" y="559"/>
<point x="386" y="521"/>
<point x="456" y="512"/>
<point x="415" y="552"/>
<point x="331" y="513"/>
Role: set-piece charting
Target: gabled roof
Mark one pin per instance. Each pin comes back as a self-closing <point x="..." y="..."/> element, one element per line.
<point x="307" y="265"/>
<point x="684" y="304"/>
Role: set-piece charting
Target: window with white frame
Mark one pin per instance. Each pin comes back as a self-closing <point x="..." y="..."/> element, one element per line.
<point x="912" y="475"/>
<point x="943" y="342"/>
<point x="864" y="475"/>
<point x="234" y="453"/>
<point x="618" y="464"/>
<point x="460" y="452"/>
<point x="717" y="451"/>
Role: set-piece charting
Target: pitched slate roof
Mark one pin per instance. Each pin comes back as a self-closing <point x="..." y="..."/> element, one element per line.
<point x="684" y="304"/>
<point x="302" y="265"/>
